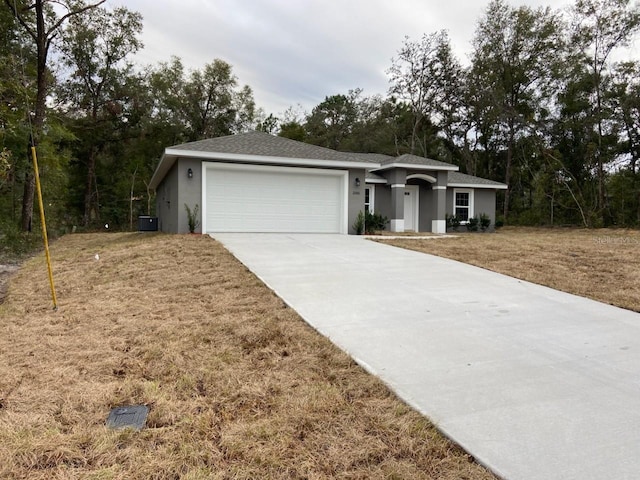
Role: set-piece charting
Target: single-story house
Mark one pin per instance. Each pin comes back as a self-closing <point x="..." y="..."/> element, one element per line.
<point x="256" y="182"/>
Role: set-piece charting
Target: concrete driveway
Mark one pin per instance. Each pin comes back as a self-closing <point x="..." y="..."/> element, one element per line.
<point x="535" y="383"/>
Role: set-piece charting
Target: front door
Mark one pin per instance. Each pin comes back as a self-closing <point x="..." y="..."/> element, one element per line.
<point x="411" y="208"/>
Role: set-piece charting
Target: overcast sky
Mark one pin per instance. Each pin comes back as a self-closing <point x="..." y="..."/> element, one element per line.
<point x="300" y="51"/>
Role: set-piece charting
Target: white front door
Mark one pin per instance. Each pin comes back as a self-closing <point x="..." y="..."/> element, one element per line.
<point x="411" y="208"/>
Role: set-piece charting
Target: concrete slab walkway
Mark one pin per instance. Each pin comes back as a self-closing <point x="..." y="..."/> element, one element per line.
<point x="535" y="383"/>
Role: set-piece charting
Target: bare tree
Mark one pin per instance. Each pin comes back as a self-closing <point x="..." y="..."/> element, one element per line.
<point x="600" y="27"/>
<point x="422" y="75"/>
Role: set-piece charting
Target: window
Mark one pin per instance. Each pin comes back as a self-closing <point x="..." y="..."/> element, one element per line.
<point x="368" y="199"/>
<point x="463" y="204"/>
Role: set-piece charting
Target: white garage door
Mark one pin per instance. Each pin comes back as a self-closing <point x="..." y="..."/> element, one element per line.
<point x="251" y="198"/>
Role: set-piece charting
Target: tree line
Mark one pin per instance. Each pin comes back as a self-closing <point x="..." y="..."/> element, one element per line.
<point x="69" y="85"/>
<point x="544" y="105"/>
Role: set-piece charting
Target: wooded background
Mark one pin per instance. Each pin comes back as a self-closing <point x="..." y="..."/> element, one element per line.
<point x="543" y="105"/>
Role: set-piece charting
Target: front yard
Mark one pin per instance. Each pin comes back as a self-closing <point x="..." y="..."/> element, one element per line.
<point x="237" y="384"/>
<point x="600" y="264"/>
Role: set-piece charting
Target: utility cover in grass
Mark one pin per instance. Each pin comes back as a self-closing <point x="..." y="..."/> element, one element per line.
<point x="134" y="416"/>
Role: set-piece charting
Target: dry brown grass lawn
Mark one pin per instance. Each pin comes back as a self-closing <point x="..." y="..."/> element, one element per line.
<point x="238" y="385"/>
<point x="600" y="264"/>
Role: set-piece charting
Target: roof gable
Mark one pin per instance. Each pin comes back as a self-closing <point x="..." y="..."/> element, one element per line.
<point x="414" y="161"/>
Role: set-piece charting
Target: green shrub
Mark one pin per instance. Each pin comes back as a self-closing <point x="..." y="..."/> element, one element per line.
<point x="472" y="224"/>
<point x="374" y="222"/>
<point x="453" y="222"/>
<point x="485" y="222"/>
<point x="358" y="225"/>
<point x="192" y="217"/>
<point x="16" y="244"/>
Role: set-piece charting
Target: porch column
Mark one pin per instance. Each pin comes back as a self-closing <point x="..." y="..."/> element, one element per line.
<point x="439" y="222"/>
<point x="397" y="207"/>
<point x="397" y="179"/>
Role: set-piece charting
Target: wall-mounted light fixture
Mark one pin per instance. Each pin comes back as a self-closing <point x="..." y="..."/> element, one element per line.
<point x="189" y="173"/>
<point x="357" y="182"/>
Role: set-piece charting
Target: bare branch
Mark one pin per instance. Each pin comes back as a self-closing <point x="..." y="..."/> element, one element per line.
<point x="71" y="14"/>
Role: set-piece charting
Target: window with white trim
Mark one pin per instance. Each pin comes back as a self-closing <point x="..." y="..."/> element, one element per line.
<point x="369" y="194"/>
<point x="463" y="204"/>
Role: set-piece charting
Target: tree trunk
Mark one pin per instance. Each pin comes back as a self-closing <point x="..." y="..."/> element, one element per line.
<point x="414" y="132"/>
<point x="507" y="175"/>
<point x="42" y="39"/>
<point x="39" y="114"/>
<point x="133" y="182"/>
<point x="27" y="202"/>
<point x="88" y="192"/>
<point x="600" y="168"/>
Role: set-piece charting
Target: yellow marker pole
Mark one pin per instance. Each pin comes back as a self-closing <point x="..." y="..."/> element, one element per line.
<point x="44" y="227"/>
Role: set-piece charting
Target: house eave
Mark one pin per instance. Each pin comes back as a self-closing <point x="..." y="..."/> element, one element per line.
<point x="244" y="158"/>
<point x="375" y="180"/>
<point x="165" y="164"/>
<point x="417" y="166"/>
<point x="477" y="185"/>
<point x="171" y="154"/>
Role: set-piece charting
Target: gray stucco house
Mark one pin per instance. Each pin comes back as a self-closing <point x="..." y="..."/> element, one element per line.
<point x="256" y="182"/>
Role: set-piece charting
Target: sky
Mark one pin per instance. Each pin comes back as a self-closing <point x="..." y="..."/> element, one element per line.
<point x="296" y="52"/>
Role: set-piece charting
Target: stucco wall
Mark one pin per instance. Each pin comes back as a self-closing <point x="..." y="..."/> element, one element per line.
<point x="449" y="201"/>
<point x="425" y="201"/>
<point x="174" y="191"/>
<point x="382" y="204"/>
<point x="177" y="188"/>
<point x="355" y="196"/>
<point x="167" y="202"/>
<point x="484" y="201"/>
<point x="190" y="190"/>
<point x="382" y="201"/>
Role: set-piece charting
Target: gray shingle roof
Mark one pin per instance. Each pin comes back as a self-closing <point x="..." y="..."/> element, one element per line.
<point x="416" y="160"/>
<point x="373" y="176"/>
<point x="464" y="179"/>
<point x="373" y="157"/>
<point x="264" y="144"/>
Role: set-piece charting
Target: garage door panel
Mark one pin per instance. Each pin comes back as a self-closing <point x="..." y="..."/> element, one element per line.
<point x="274" y="199"/>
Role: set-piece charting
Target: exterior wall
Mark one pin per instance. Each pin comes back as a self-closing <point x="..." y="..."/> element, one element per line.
<point x="395" y="175"/>
<point x="174" y="191"/>
<point x="425" y="206"/>
<point x="355" y="196"/>
<point x="397" y="178"/>
<point x="484" y="201"/>
<point x="190" y="192"/>
<point x="431" y="200"/>
<point x="177" y="189"/>
<point x="167" y="204"/>
<point x="439" y="205"/>
<point x="382" y="200"/>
